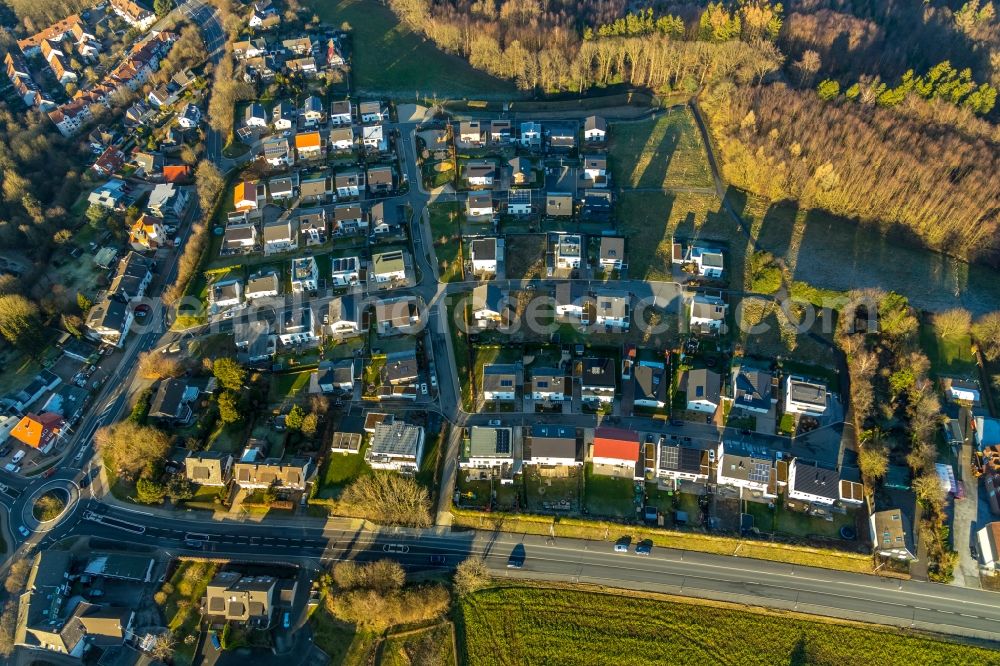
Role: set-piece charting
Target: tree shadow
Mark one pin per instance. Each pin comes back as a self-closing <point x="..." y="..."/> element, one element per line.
<point x="800" y="653"/>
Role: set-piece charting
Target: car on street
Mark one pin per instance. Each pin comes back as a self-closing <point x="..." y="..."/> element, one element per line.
<point x="286" y="620"/>
<point x="423" y="389"/>
<point x="644" y="547"/>
<point x="13" y="468"/>
<point x="494" y="422"/>
<point x="621" y="546"/>
<point x="438" y="559"/>
<point x="517" y="557"/>
<point x="24" y="531"/>
<point x="399" y="548"/>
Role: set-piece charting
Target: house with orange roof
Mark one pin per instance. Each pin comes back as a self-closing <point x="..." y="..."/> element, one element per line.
<point x="308" y="145"/>
<point x="39" y="431"/>
<point x="147" y="233"/>
<point x="177" y="173"/>
<point x="248" y="196"/>
<point x="616" y="453"/>
<point x="55" y="32"/>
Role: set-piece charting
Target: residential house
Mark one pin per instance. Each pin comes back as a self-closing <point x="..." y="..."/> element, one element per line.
<point x="259" y="70"/>
<point x="519" y="202"/>
<point x="296" y="326"/>
<point x="312" y="225"/>
<point x="531" y="135"/>
<point x="348" y="184"/>
<point x="484" y="255"/>
<point x="649" y="385"/>
<point x="703" y="390"/>
<point x="890" y="535"/>
<point x="172" y="401"/>
<point x="253" y="340"/>
<point x="398" y="447"/>
<point x="595" y="170"/>
<point x="559" y="204"/>
<point x="818" y="485"/>
<point x="344" y="317"/>
<point x="110" y="195"/>
<point x="470" y="133"/>
<point x="616" y="453"/>
<point x="189" y="117"/>
<point x="147" y="234"/>
<point x="372" y="112"/>
<point x="277" y="152"/>
<point x="109" y="162"/>
<point x="548" y="384"/>
<point x="226" y="294"/>
<point x="500" y="132"/>
<point x="480" y="173"/>
<point x="109" y="320"/>
<point x="298" y="45"/>
<point x="262" y="285"/>
<point x="148" y="165"/>
<point x="134" y="14"/>
<point x="487" y="447"/>
<point x="489" y="304"/>
<point x="681" y="463"/>
<point x="380" y="180"/>
<point x="388" y="266"/>
<point x="708" y="314"/>
<point x="247" y="49"/>
<point x="397" y="315"/>
<point x="561" y="136"/>
<point x="708" y="261"/>
<point x="254" y="116"/>
<point x="334" y="54"/>
<point x="597" y="381"/>
<point x="344" y="271"/>
<point x="383" y="221"/>
<point x="962" y="391"/>
<point x="283" y="188"/>
<point x="751" y="390"/>
<point x="283" y="115"/>
<point x="373" y="139"/>
<point x="346" y="442"/>
<point x="341" y="139"/>
<point x="312" y="110"/>
<point x="39" y="431"/>
<point x="335" y="376"/>
<point x="595" y="129"/>
<point x="554" y="445"/>
<point x="280" y="235"/>
<point x="234" y="598"/>
<point x="349" y="219"/>
<point x="68" y="402"/>
<point x="522" y="171"/>
<point x="308" y="145"/>
<point x="208" y="468"/>
<point x="611" y="309"/>
<point x="611" y="254"/>
<point x="167" y="201"/>
<point x="741" y="468"/>
<point x="177" y="173"/>
<point x="305" y="274"/>
<point x="480" y="205"/>
<point x="248" y="196"/>
<point x="500" y="382"/>
<point x="133" y="276"/>
<point x="316" y="188"/>
<point x="341" y="113"/>
<point x="805" y="396"/>
<point x="239" y="237"/>
<point x="161" y="97"/>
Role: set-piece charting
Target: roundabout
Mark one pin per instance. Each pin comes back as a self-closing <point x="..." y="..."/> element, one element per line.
<point x="49" y="504"/>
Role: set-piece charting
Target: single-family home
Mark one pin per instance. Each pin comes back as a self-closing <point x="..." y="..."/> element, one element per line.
<point x="374" y="139"/>
<point x="254" y="116"/>
<point x="708" y="261"/>
<point x="305" y="66"/>
<point x="480" y="205"/>
<point x="380" y="179"/>
<point x="308" y="145"/>
<point x="312" y="225"/>
<point x="296" y="326"/>
<point x="519" y="202"/>
<point x="595" y="170"/>
<point x="341" y="113"/>
<point x="167" y="201"/>
<point x="818" y="485"/>
<point x="703" y="390"/>
<point x="559" y="204"/>
<point x="891" y="535"/>
<point x="298" y="45"/>
<point x="372" y="112"/>
<point x="611" y="253"/>
<point x="234" y="598"/>
<point x="531" y="135"/>
<point x="239" y="237"/>
<point x="484" y="256"/>
<point x="148" y="165"/>
<point x="489" y="304"/>
<point x="595" y="129"/>
<point x="226" y="294"/>
<point x="110" y="195"/>
<point x="283" y="474"/>
<point x="751" y="389"/>
<point x="39" y="431"/>
<point x="172" y="401"/>
<point x="500" y="132"/>
<point x="344" y="317"/>
<point x="805" y="396"/>
<point x="487" y="447"/>
<point x="283" y="188"/>
<point x="597" y="381"/>
<point x="616" y="453"/>
<point x="708" y="314"/>
<point x="251" y="48"/>
<point x="335" y="376"/>
<point x="561" y="136"/>
<point x="548" y="384"/>
<point x="388" y="266"/>
<point x="305" y="274"/>
<point x="280" y="235"/>
<point x="262" y="285"/>
<point x="189" y="116"/>
<point x="553" y="445"/>
<point x="348" y="183"/>
<point x="741" y="468"/>
<point x="522" y="171"/>
<point x="277" y="152"/>
<point x="480" y="173"/>
<point x="470" y="133"/>
<point x="344" y="271"/>
<point x="500" y="382"/>
<point x="134" y="14"/>
<point x="208" y="468"/>
<point x="147" y="233"/>
<point x="383" y="221"/>
<point x="649" y="385"/>
<point x="681" y="463"/>
<point x="349" y="219"/>
<point x="608" y="308"/>
<point x="248" y="196"/>
<point x="568" y="250"/>
<point x="283" y="115"/>
<point x="397" y="446"/>
<point x="397" y="315"/>
<point x="312" y="110"/>
<point x="253" y="340"/>
<point x="315" y="188"/>
<point x="109" y="162"/>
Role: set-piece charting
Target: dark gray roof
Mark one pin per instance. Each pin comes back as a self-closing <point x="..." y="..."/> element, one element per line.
<point x="484" y="248"/>
<point x="552" y="441"/>
<point x="676" y="458"/>
<point x="598" y="372"/>
<point x="168" y="399"/>
<point x="815" y="480"/>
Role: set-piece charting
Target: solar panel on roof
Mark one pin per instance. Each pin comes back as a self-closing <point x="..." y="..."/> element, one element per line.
<point x="670" y="456"/>
<point x="760" y="472"/>
<point x="503" y="442"/>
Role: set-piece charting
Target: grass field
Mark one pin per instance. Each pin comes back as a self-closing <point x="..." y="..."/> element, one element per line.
<point x="425" y="646"/>
<point x="608" y="496"/>
<point x="388" y="56"/>
<point x="344" y="645"/>
<point x="538" y="625"/>
<point x="662" y="152"/>
<point x="447" y="241"/>
<point x="289" y="385"/>
<point x="948" y="356"/>
<point x="340" y="469"/>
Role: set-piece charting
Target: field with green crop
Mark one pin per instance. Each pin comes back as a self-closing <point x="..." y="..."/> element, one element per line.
<point x="536" y="625"/>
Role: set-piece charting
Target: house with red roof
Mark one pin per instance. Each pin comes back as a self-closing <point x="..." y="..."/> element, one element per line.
<point x="616" y="453"/>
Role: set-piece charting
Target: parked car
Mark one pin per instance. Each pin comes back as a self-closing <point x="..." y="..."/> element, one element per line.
<point x="644" y="547"/>
<point x="494" y="422"/>
<point x="423" y="389"/>
<point x="18" y="457"/>
<point x="621" y="546"/>
<point x="13" y="468"/>
<point x="286" y="620"/>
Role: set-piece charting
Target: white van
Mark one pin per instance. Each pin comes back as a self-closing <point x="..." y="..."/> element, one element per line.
<point x="18" y="457"/>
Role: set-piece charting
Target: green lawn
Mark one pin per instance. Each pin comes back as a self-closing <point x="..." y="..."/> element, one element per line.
<point x="447" y="239"/>
<point x="287" y="386"/>
<point x="948" y="356"/>
<point x="608" y="497"/>
<point x="183" y="593"/>
<point x="340" y="469"/>
<point x="460" y="345"/>
<point x="796" y="523"/>
<point x="388" y="56"/>
<point x="539" y="491"/>
<point x="662" y="152"/>
<point x="537" y="625"/>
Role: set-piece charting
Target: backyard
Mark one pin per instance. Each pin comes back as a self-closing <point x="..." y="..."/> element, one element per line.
<point x="951" y="355"/>
<point x="341" y="469"/>
<point x="447" y="240"/>
<point x="180" y="600"/>
<point x="665" y="152"/>
<point x="608" y="496"/>
<point x="389" y="56"/>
